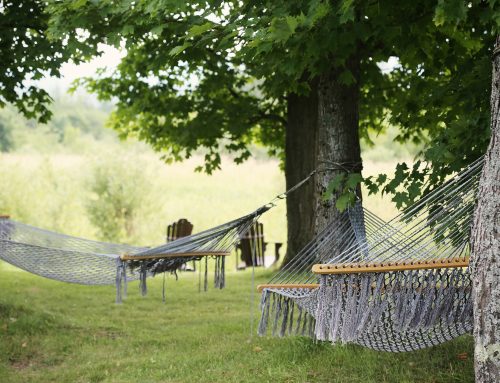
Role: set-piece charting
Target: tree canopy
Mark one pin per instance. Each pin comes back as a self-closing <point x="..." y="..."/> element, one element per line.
<point x="29" y="54"/>
<point x="212" y="74"/>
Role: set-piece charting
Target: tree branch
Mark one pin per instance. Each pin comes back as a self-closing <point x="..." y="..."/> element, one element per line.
<point x="269" y="117"/>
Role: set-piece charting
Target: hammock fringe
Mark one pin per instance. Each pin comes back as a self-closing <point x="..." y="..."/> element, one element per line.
<point x="279" y="316"/>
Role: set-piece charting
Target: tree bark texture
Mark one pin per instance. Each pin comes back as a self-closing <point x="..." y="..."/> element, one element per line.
<point x="300" y="161"/>
<point x="338" y="139"/>
<point x="322" y="133"/>
<point x="485" y="249"/>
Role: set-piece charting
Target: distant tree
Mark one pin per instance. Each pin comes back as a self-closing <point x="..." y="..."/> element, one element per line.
<point x="70" y="117"/>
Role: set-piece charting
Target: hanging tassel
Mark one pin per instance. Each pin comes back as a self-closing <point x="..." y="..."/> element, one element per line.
<point x="163" y="289"/>
<point x="219" y="273"/>
<point x="304" y="323"/>
<point x="290" y="320"/>
<point x="299" y="320"/>
<point x="205" y="286"/>
<point x="321" y="309"/>
<point x="284" y="317"/>
<point x="216" y="273"/>
<point x="124" y="277"/>
<point x="199" y="278"/>
<point x="310" y="331"/>
<point x="142" y="279"/>
<point x="223" y="272"/>
<point x="118" y="281"/>
<point x="277" y="314"/>
<point x="265" y="304"/>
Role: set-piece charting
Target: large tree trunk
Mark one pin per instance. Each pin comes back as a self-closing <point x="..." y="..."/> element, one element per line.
<point x="300" y="161"/>
<point x="322" y="133"/>
<point x="338" y="139"/>
<point x="485" y="242"/>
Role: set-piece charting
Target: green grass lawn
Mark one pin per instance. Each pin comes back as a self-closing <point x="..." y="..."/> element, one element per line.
<point x="56" y="332"/>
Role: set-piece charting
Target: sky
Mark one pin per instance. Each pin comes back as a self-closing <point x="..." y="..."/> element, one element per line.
<point x="69" y="72"/>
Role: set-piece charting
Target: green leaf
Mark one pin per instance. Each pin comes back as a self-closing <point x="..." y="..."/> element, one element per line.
<point x="197" y="30"/>
<point x="327" y="195"/>
<point x="413" y="191"/>
<point x="158" y="29"/>
<point x="292" y="23"/>
<point x="335" y="185"/>
<point x="113" y="39"/>
<point x="317" y="11"/>
<point x="127" y="30"/>
<point x="381" y="179"/>
<point x="450" y="11"/>
<point x="344" y="201"/>
<point x="179" y="49"/>
<point x="338" y="181"/>
<point x="353" y="180"/>
<point x="401" y="199"/>
<point x="281" y="29"/>
<point x="371" y="186"/>
<point x="75" y="4"/>
<point x="346" y="11"/>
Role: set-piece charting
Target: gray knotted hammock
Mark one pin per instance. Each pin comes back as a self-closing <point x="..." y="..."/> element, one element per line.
<point x="71" y="259"/>
<point x="396" y="286"/>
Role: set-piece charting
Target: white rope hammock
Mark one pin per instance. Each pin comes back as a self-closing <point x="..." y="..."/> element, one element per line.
<point x="76" y="260"/>
<point x="395" y="286"/>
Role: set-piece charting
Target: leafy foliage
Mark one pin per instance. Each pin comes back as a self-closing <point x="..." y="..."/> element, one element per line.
<point x="116" y="199"/>
<point x="441" y="95"/>
<point x="405" y="186"/>
<point x="343" y="186"/>
<point x="28" y="54"/>
<point x="212" y="75"/>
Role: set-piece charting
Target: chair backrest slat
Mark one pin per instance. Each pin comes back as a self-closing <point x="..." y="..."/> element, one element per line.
<point x="179" y="229"/>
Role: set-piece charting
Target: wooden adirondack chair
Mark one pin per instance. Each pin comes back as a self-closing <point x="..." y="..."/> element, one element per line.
<point x="179" y="229"/>
<point x="252" y="247"/>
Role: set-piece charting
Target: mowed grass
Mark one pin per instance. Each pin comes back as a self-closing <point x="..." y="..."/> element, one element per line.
<point x="56" y="332"/>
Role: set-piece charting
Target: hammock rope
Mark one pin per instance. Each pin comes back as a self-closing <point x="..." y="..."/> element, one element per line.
<point x="420" y="303"/>
<point x="77" y="260"/>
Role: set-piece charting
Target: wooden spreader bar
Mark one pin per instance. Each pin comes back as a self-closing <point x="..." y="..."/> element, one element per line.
<point x="353" y="268"/>
<point x="127" y="257"/>
<point x="310" y="286"/>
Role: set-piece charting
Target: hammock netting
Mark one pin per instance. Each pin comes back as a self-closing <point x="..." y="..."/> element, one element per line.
<point x="76" y="260"/>
<point x="399" y="310"/>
